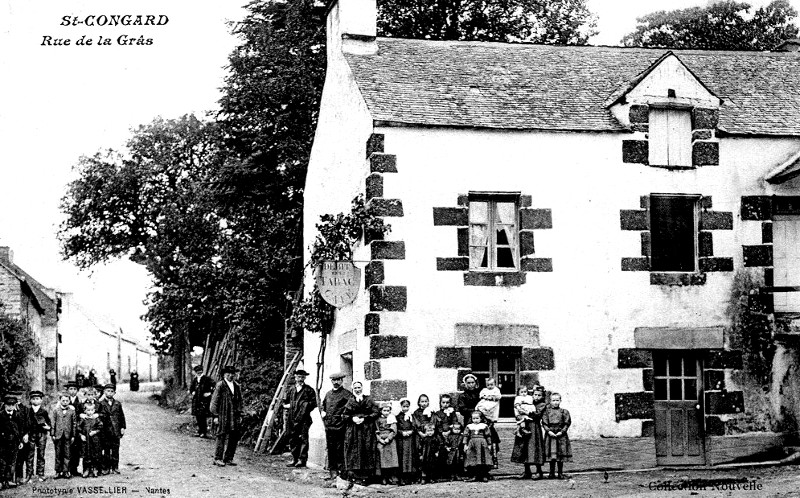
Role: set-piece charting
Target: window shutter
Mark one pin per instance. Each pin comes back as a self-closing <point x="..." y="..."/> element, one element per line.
<point x="680" y="137"/>
<point x="658" y="133"/>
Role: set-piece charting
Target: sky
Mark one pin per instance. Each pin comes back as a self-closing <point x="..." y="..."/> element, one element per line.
<point x="58" y="102"/>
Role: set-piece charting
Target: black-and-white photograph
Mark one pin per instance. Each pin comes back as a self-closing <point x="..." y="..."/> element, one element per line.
<point x="363" y="248"/>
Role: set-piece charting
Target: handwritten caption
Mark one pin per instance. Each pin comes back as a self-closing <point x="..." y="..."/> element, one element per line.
<point x="131" y="24"/>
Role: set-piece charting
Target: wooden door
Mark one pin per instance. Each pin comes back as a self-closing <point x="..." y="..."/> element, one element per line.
<point x="501" y="364"/>
<point x="786" y="258"/>
<point x="677" y="389"/>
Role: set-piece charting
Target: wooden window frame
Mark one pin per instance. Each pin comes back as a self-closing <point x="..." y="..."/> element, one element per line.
<point x="695" y="231"/>
<point x="492" y="198"/>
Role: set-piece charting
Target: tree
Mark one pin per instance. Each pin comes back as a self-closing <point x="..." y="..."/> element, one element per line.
<point x="724" y="25"/>
<point x="154" y="205"/>
<point x="17" y="348"/>
<point x="564" y="22"/>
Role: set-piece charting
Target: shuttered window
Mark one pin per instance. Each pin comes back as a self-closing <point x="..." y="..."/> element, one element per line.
<point x="673" y="232"/>
<point x="670" y="133"/>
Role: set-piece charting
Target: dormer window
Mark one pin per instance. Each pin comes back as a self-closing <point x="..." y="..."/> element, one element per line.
<point x="670" y="137"/>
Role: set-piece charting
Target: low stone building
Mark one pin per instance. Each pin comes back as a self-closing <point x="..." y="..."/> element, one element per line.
<point x="24" y="298"/>
<point x="579" y="217"/>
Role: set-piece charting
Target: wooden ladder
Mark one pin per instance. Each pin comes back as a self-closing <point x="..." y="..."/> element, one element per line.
<point x="266" y="428"/>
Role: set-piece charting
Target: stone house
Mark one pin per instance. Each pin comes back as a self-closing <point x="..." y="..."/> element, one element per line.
<point x="570" y="216"/>
<point x="24" y="298"/>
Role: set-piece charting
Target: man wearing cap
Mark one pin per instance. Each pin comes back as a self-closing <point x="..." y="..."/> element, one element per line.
<point x="334" y="419"/>
<point x="201" y="388"/>
<point x="226" y="407"/>
<point x="299" y="402"/>
<point x="39" y="430"/>
<point x="113" y="418"/>
<point x="75" y="448"/>
<point x="11" y="434"/>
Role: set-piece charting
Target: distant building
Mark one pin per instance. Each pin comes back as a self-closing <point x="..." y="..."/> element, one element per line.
<point x="90" y="341"/>
<point x="22" y="297"/>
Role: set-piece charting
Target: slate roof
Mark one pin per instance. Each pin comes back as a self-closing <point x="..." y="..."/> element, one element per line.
<point x="546" y="87"/>
<point x="46" y="303"/>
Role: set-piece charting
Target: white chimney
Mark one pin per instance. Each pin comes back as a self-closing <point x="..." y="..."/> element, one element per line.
<point x="352" y="26"/>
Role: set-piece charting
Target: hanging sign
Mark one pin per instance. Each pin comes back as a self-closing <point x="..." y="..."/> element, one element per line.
<point x="338" y="282"/>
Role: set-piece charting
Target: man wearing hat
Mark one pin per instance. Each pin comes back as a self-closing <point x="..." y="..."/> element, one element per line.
<point x="11" y="435"/>
<point x="201" y="388"/>
<point x="113" y="418"/>
<point x="334" y="419"/>
<point x="226" y="407"/>
<point x="299" y="402"/>
<point x="38" y="431"/>
<point x="75" y="448"/>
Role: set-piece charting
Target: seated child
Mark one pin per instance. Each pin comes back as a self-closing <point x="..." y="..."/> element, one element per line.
<point x="556" y="422"/>
<point x="89" y="428"/>
<point x="523" y="406"/>
<point x="489" y="404"/>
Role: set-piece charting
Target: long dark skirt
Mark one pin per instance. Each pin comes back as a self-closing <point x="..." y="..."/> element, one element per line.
<point x="529" y="448"/>
<point x="359" y="448"/>
<point x="406" y="454"/>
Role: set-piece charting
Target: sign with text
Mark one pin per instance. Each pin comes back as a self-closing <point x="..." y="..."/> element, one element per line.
<point x="338" y="282"/>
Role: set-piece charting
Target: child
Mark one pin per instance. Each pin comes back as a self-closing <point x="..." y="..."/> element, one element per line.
<point x="556" y="422"/>
<point x="63" y="432"/>
<point x="446" y="416"/>
<point x="529" y="444"/>
<point x="75" y="449"/>
<point x="113" y="418"/>
<point x="454" y="456"/>
<point x="428" y="447"/>
<point x="478" y="448"/>
<point x="11" y="433"/>
<point x="89" y="428"/>
<point x="39" y="430"/>
<point x="406" y="439"/>
<point x="386" y="431"/>
<point x="489" y="404"/>
<point x="523" y="406"/>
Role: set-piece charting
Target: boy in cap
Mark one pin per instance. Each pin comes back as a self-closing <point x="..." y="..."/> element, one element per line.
<point x="299" y="402"/>
<point x="201" y="388"/>
<point x="63" y="432"/>
<point x="11" y="434"/>
<point x="38" y="431"/>
<point x="226" y="407"/>
<point x="334" y="419"/>
<point x="113" y="418"/>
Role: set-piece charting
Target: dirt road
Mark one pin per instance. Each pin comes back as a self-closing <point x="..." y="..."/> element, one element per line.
<point x="159" y="458"/>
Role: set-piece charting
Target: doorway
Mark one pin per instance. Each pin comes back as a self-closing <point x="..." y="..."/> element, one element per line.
<point x="677" y="390"/>
<point x="502" y="364"/>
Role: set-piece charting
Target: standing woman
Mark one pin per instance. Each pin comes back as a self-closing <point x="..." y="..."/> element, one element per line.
<point x="360" y="442"/>
<point x="529" y="443"/>
<point x="468" y="398"/>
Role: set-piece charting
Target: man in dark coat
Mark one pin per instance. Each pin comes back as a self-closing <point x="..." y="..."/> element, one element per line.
<point x="201" y="388"/>
<point x="334" y="419"/>
<point x="76" y="447"/>
<point x="226" y="407"/>
<point x="299" y="402"/>
<point x="113" y="418"/>
<point x="11" y="439"/>
<point x="80" y="379"/>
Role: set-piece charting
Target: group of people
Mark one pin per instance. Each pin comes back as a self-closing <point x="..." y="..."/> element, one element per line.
<point x="222" y="401"/>
<point x="85" y="425"/>
<point x="367" y="441"/>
